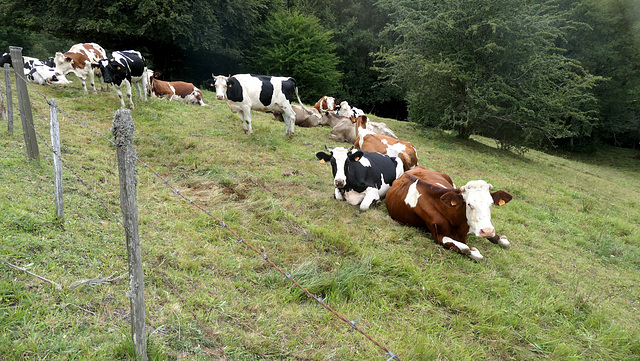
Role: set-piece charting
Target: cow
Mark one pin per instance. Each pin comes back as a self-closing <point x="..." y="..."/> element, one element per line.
<point x="304" y="117"/>
<point x="44" y="74"/>
<point x="179" y="90"/>
<point x="36" y="70"/>
<point x="367" y="140"/>
<point x="325" y="104"/>
<point x="342" y="129"/>
<point x="81" y="60"/>
<point x="345" y="110"/>
<point x="125" y="68"/>
<point x="246" y="92"/>
<point x="360" y="177"/>
<point x="427" y="199"/>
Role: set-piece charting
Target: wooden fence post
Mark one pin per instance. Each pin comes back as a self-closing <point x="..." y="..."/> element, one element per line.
<point x="54" y="129"/>
<point x="122" y="130"/>
<point x="3" y="108"/>
<point x="7" y="79"/>
<point x="25" y="104"/>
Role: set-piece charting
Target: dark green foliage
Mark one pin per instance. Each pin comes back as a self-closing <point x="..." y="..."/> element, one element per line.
<point x="294" y="44"/>
<point x="489" y="68"/>
<point x="610" y="47"/>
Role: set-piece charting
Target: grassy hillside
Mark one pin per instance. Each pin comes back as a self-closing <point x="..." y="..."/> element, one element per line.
<point x="567" y="289"/>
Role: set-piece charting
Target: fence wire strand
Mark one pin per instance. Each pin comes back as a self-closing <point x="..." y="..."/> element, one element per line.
<point x="353" y="324"/>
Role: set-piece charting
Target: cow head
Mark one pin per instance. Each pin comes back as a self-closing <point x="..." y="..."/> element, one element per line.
<point x="63" y="64"/>
<point x="5" y="59"/>
<point x="220" y="83"/>
<point x="340" y="158"/>
<point x="112" y="71"/>
<point x="478" y="199"/>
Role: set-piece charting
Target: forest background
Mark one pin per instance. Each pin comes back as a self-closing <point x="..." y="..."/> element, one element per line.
<point x="528" y="74"/>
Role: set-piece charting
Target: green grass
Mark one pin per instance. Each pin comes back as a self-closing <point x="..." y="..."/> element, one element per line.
<point x="567" y="289"/>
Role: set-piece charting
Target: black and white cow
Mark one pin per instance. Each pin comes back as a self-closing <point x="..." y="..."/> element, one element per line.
<point x="125" y="67"/>
<point x="244" y="92"/>
<point x="361" y="177"/>
<point x="37" y="71"/>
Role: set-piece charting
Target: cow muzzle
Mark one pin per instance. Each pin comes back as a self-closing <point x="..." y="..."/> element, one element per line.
<point x="487" y="232"/>
<point x="220" y="97"/>
<point x="340" y="183"/>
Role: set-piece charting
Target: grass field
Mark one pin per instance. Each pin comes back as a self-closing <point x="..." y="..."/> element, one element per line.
<point x="567" y="289"/>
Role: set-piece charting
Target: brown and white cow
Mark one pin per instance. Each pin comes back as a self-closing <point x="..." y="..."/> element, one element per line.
<point x="342" y="129"/>
<point x="428" y="199"/>
<point x="367" y="140"/>
<point x="179" y="90"/>
<point x="326" y="104"/>
<point x="304" y="117"/>
<point x="79" y="60"/>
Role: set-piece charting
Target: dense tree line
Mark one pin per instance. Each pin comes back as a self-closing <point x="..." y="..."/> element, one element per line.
<point x="533" y="73"/>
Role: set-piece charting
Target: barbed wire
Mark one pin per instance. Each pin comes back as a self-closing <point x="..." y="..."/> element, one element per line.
<point x="318" y="298"/>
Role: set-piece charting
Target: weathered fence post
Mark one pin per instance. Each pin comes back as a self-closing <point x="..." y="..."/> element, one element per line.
<point x="54" y="129"/>
<point x="25" y="104"/>
<point x="7" y="79"/>
<point x="3" y="108"/>
<point x="122" y="130"/>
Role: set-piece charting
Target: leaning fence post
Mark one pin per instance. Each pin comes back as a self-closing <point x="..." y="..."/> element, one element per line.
<point x="7" y="80"/>
<point x="122" y="130"/>
<point x="54" y="129"/>
<point x="3" y="108"/>
<point x="25" y="104"/>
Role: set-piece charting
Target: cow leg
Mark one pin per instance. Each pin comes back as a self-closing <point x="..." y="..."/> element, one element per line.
<point x="338" y="194"/>
<point x="502" y="241"/>
<point x="92" y="79"/>
<point x="140" y="91"/>
<point x="289" y="120"/>
<point x="128" y="89"/>
<point x="461" y="248"/>
<point x="371" y="195"/>
<point x="245" y="116"/>
<point x="84" y="84"/>
<point x="119" y="92"/>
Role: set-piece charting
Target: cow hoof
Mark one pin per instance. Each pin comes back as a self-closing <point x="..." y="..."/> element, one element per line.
<point x="504" y="242"/>
<point x="475" y="255"/>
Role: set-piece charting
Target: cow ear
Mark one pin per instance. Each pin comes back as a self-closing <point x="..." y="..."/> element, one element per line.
<point x="355" y="156"/>
<point x="452" y="199"/>
<point x="323" y="157"/>
<point x="500" y="198"/>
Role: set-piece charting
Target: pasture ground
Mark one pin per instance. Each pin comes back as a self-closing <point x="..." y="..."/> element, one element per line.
<point x="567" y="289"/>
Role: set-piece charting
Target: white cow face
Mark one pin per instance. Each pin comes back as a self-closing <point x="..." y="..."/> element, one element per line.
<point x="221" y="86"/>
<point x="339" y="159"/>
<point x="478" y="200"/>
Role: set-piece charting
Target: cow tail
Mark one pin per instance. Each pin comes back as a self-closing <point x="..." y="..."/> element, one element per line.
<point x="302" y="105"/>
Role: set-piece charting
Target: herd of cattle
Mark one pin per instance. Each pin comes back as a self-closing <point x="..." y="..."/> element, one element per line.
<point x="378" y="165"/>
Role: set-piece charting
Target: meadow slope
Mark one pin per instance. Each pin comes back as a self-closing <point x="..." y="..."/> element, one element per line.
<point x="567" y="289"/>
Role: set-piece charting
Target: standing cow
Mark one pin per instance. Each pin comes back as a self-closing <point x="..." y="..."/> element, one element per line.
<point x="246" y="92"/>
<point x="125" y="68"/>
<point x="81" y="60"/>
<point x="361" y="177"/>
<point x="428" y="199"/>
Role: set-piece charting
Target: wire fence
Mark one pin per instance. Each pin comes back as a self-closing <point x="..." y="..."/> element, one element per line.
<point x="352" y="324"/>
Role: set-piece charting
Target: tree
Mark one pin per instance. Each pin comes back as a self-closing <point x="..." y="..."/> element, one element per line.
<point x="293" y="44"/>
<point x="610" y="47"/>
<point x="356" y="25"/>
<point x="489" y="67"/>
<point x="174" y="35"/>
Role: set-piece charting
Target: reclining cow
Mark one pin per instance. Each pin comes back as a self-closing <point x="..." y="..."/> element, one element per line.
<point x="36" y="70"/>
<point x="367" y="140"/>
<point x="342" y="129"/>
<point x="361" y="178"/>
<point x="178" y="90"/>
<point x="428" y="199"/>
<point x="304" y="117"/>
